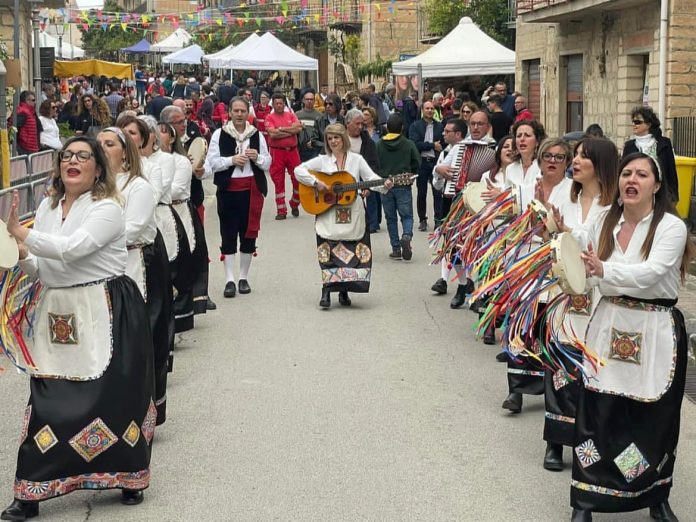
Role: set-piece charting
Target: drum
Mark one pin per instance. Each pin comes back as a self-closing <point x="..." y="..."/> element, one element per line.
<point x="197" y="151"/>
<point x="567" y="264"/>
<point x="9" y="252"/>
<point x="472" y="196"/>
<point x="544" y="215"/>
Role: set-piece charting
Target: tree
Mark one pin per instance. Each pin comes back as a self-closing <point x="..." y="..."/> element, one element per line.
<point x="103" y="38"/>
<point x="492" y="16"/>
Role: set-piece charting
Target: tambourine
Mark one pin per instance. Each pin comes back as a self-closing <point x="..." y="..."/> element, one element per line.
<point x="567" y="265"/>
<point x="472" y="194"/>
<point x="9" y="252"/>
<point x="544" y="215"/>
<point x="197" y="151"/>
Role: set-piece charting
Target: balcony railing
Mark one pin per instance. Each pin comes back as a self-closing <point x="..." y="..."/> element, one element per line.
<point x="425" y="34"/>
<point x="529" y="6"/>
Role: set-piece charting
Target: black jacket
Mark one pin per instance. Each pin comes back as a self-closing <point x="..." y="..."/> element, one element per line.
<point x="322" y="123"/>
<point x="416" y="133"/>
<point x="665" y="156"/>
<point x="368" y="150"/>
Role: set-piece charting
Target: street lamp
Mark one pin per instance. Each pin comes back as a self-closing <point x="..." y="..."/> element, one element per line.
<point x="60" y="31"/>
<point x="35" y="8"/>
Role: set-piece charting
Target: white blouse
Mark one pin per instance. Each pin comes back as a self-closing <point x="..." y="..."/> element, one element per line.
<point x="181" y="183"/>
<point x="88" y="246"/>
<point x="572" y="218"/>
<point x="516" y="175"/>
<point x="139" y="211"/>
<point x="658" y="276"/>
<point x="326" y="224"/>
<point x="50" y="135"/>
<point x="152" y="171"/>
<point x="218" y="163"/>
<point x="167" y="166"/>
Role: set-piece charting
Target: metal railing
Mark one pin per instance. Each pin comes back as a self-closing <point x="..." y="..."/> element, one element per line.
<point x="528" y="6"/>
<point x="684" y="136"/>
<point x="29" y="175"/>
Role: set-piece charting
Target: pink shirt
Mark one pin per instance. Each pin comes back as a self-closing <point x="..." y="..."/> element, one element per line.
<point x="275" y="121"/>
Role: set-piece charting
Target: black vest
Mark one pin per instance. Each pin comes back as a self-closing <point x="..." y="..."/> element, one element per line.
<point x="228" y="147"/>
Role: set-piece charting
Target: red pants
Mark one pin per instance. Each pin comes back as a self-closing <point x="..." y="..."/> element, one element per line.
<point x="282" y="160"/>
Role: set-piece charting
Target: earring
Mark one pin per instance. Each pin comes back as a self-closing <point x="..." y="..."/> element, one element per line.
<point x="620" y="201"/>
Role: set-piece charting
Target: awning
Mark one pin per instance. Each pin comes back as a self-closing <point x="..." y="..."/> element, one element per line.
<point x="93" y="68"/>
<point x="189" y="55"/>
<point x="143" y="46"/>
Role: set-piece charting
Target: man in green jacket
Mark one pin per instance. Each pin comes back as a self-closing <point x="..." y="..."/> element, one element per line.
<point x="398" y="155"/>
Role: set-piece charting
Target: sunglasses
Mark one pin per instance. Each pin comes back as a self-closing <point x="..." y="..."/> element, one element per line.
<point x="638" y="122"/>
<point x="547" y="156"/>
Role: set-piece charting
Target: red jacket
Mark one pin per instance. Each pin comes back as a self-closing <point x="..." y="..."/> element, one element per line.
<point x="27" y="128"/>
<point x="526" y="114"/>
<point x="220" y="115"/>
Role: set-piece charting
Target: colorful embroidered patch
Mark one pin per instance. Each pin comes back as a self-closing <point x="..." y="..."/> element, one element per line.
<point x="363" y="252"/>
<point x="25" y="425"/>
<point x="132" y="434"/>
<point x="631" y="463"/>
<point x="342" y="253"/>
<point x="343" y="274"/>
<point x="324" y="252"/>
<point x="344" y="215"/>
<point x="45" y="439"/>
<point x="148" y="426"/>
<point x="93" y="440"/>
<point x="580" y="304"/>
<point x="34" y="491"/>
<point x="587" y="453"/>
<point x="560" y="379"/>
<point x="63" y="328"/>
<point x="626" y="346"/>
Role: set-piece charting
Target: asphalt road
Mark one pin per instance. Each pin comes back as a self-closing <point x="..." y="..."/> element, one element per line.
<point x="385" y="411"/>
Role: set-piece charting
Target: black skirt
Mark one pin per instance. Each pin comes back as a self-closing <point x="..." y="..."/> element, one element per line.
<point x="346" y="266"/>
<point x="94" y="434"/>
<point x="182" y="274"/>
<point x="201" y="264"/>
<point x="641" y="437"/>
<point x="160" y="310"/>
<point x="561" y="400"/>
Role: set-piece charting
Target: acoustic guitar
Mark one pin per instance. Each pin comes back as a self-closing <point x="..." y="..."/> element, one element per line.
<point x="343" y="189"/>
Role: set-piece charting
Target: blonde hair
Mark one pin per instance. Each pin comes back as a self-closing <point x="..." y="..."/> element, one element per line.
<point x="336" y="129"/>
<point x="132" y="164"/>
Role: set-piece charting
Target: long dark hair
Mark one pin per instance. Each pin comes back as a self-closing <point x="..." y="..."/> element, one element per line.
<point x="663" y="204"/>
<point x="650" y="118"/>
<point x="498" y="155"/>
<point x="605" y="159"/>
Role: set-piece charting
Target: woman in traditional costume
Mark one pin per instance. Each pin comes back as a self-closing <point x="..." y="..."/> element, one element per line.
<point x="343" y="240"/>
<point x="147" y="257"/>
<point x="526" y="138"/>
<point x="627" y="422"/>
<point x="91" y="414"/>
<point x="595" y="163"/>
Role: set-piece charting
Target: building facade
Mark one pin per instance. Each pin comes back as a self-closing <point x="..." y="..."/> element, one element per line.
<point x="592" y="61"/>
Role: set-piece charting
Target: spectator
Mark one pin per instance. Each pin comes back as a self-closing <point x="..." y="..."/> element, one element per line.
<point x="594" y="130"/>
<point x="28" y="126"/>
<point x="500" y="122"/>
<point x="179" y="87"/>
<point x="523" y="113"/>
<point x="370" y="119"/>
<point x="507" y="102"/>
<point x="192" y="87"/>
<point x="50" y="135"/>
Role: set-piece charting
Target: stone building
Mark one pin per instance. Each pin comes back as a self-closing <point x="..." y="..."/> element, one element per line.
<point x="592" y="61"/>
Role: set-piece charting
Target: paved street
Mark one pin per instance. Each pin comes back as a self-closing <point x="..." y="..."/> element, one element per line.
<point x="385" y="411"/>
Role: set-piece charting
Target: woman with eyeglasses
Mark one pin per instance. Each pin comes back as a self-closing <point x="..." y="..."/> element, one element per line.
<point x="628" y="415"/>
<point x="648" y="139"/>
<point x="89" y="119"/>
<point x="343" y="239"/>
<point x="91" y="416"/>
<point x="50" y="134"/>
<point x="147" y="262"/>
<point x="27" y="124"/>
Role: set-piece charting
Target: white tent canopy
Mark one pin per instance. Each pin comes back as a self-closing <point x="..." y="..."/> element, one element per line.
<point x="465" y="51"/>
<point x="175" y="41"/>
<point x="221" y="59"/>
<point x="270" y="54"/>
<point x="191" y="55"/>
<point x="69" y="51"/>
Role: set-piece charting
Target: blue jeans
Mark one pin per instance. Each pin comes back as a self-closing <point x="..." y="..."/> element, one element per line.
<point x="398" y="200"/>
<point x="374" y="210"/>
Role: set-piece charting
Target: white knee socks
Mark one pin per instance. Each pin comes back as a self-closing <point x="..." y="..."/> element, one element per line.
<point x="229" y="267"/>
<point x="444" y="270"/>
<point x="244" y="264"/>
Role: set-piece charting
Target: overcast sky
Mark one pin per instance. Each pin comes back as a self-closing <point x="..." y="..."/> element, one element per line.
<point x="88" y="4"/>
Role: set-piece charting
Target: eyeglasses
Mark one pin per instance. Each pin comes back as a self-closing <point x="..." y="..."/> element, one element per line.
<point x="477" y="124"/>
<point x="81" y="155"/>
<point x="638" y="122"/>
<point x="547" y="156"/>
<point x="447" y="131"/>
<point x="467" y="111"/>
<point x="178" y="122"/>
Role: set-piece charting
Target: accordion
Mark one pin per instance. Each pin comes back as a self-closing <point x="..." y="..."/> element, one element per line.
<point x="473" y="160"/>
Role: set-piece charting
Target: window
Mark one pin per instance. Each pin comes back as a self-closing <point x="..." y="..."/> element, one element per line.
<point x="574" y="96"/>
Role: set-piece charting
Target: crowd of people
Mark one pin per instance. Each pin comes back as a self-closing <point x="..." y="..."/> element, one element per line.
<point x="121" y="240"/>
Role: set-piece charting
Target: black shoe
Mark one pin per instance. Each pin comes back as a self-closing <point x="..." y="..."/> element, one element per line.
<point x="489" y="338"/>
<point x="230" y="289"/>
<point x="343" y="299"/>
<point x="281" y="217"/>
<point x="131" y="497"/>
<point x="663" y="513"/>
<point x="469" y="286"/>
<point x="406" y="250"/>
<point x="440" y="287"/>
<point x="423" y="225"/>
<point x="395" y="254"/>
<point x="20" y="510"/>
<point x="553" y="459"/>
<point x="244" y="287"/>
<point x="325" y="301"/>
<point x="210" y="305"/>
<point x="459" y="297"/>
<point x="295" y="212"/>
<point x="513" y="402"/>
<point x="502" y="357"/>
<point x="581" y="515"/>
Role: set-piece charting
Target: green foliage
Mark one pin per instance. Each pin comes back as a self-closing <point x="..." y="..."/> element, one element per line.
<point x="64" y="130"/>
<point x="352" y="50"/>
<point x="490" y="15"/>
<point x="103" y="43"/>
<point x="377" y="69"/>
